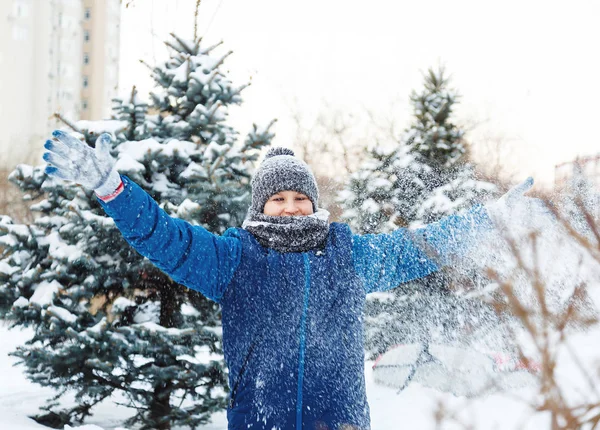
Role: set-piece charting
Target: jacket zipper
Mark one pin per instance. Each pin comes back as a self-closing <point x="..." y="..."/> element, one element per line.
<point x="302" y="342"/>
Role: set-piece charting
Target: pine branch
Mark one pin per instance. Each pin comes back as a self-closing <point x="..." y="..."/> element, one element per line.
<point x="133" y="114"/>
<point x="210" y="48"/>
<point x="67" y="122"/>
<point x="213" y="109"/>
<point x="170" y="45"/>
<point x="239" y="90"/>
<point x="196" y="20"/>
<point x="183" y="44"/>
<point x="133" y="93"/>
<point x="222" y="60"/>
<point x="147" y="65"/>
<point x="83" y="410"/>
<point x="189" y="68"/>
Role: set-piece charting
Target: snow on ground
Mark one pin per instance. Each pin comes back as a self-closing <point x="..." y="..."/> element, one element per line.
<point x="414" y="408"/>
<point x="19" y="398"/>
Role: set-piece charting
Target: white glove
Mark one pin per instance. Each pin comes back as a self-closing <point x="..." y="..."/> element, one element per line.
<point x="514" y="204"/>
<point x="71" y="159"/>
<point x="509" y="199"/>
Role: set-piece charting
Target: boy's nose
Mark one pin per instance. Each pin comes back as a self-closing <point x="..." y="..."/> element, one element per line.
<point x="290" y="208"/>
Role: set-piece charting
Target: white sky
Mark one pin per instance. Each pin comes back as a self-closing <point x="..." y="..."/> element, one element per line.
<point x="528" y="71"/>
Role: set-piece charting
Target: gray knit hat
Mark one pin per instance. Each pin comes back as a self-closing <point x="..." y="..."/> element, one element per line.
<point x="282" y="171"/>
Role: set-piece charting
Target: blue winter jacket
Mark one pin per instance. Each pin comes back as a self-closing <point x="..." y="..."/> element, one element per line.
<point x="292" y="322"/>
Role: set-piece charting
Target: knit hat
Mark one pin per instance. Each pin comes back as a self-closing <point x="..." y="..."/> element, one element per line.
<point x="282" y="171"/>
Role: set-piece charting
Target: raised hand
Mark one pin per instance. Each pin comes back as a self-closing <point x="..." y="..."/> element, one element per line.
<point x="515" y="204"/>
<point x="511" y="197"/>
<point x="71" y="159"/>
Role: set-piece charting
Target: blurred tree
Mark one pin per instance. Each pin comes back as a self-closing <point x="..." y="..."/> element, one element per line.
<point x="417" y="181"/>
<point x="580" y="196"/>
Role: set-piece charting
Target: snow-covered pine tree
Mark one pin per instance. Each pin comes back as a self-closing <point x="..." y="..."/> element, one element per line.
<point x="107" y="322"/>
<point x="133" y="112"/>
<point x="19" y="256"/>
<point x="416" y="181"/>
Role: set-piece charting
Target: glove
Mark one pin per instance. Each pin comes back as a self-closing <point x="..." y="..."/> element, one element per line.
<point x="514" y="204"/>
<point x="500" y="210"/>
<point x="509" y="199"/>
<point x="71" y="159"/>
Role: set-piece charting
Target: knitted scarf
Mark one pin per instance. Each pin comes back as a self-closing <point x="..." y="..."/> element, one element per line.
<point x="289" y="233"/>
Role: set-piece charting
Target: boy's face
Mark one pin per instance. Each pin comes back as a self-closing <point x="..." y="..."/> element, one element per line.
<point x="288" y="203"/>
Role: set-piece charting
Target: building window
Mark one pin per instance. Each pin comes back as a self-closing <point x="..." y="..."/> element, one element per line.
<point x="19" y="32"/>
<point x="84" y="104"/>
<point x="86" y="58"/>
<point x="88" y="13"/>
<point x="86" y="36"/>
<point x="85" y="82"/>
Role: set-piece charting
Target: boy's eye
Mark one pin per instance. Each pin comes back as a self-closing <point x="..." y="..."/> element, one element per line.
<point x="301" y="198"/>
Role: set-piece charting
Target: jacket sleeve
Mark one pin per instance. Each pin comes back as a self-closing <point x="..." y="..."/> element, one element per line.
<point x="384" y="261"/>
<point x="190" y="255"/>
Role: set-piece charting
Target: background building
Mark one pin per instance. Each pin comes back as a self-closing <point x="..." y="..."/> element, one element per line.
<point x="100" y="62"/>
<point x="56" y="56"/>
